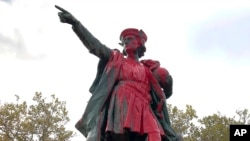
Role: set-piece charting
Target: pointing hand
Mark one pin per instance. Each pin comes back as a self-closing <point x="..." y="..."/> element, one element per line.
<point x="65" y="16"/>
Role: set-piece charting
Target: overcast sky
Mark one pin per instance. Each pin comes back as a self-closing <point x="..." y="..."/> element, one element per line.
<point x="205" y="45"/>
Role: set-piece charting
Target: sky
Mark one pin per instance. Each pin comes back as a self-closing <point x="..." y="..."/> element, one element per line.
<point x="205" y="45"/>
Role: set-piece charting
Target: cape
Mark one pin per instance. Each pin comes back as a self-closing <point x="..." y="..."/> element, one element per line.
<point x="92" y="124"/>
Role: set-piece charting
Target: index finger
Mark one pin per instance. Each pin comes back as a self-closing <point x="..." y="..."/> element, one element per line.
<point x="61" y="9"/>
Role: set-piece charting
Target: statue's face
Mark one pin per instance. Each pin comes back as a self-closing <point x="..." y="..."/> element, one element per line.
<point x="130" y="43"/>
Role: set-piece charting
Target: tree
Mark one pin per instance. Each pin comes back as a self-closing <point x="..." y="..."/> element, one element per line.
<point x="244" y="116"/>
<point x="44" y="120"/>
<point x="183" y="122"/>
<point x="11" y="119"/>
<point x="214" y="127"/>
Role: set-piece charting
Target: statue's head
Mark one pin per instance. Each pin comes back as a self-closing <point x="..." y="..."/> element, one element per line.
<point x="133" y="39"/>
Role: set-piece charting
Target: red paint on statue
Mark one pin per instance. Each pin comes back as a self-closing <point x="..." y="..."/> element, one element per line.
<point x="131" y="101"/>
<point x="162" y="73"/>
<point x="130" y="104"/>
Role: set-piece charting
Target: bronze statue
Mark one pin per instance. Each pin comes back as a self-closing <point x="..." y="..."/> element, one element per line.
<point x="128" y="101"/>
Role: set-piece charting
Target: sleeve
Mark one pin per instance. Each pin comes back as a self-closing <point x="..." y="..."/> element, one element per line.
<point x="91" y="43"/>
<point x="161" y="74"/>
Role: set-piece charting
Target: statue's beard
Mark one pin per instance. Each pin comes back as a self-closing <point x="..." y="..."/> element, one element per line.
<point x="130" y="49"/>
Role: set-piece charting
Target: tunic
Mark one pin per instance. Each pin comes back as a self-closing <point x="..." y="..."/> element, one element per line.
<point x="130" y="101"/>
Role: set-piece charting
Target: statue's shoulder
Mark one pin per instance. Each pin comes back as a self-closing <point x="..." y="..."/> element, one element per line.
<point x="116" y="55"/>
<point x="116" y="52"/>
<point x="151" y="64"/>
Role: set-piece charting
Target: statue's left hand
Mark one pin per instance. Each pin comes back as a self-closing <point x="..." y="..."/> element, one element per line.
<point x="65" y="16"/>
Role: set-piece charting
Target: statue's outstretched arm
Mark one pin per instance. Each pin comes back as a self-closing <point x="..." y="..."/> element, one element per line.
<point x="90" y="42"/>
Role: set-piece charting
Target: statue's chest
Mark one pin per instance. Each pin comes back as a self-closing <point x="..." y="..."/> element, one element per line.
<point x="133" y="71"/>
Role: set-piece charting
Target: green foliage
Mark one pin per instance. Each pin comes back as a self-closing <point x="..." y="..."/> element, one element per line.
<point x="43" y="120"/>
<point x="209" y="128"/>
<point x="182" y="120"/>
<point x="215" y="127"/>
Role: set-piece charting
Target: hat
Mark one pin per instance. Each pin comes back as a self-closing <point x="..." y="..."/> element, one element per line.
<point x="133" y="31"/>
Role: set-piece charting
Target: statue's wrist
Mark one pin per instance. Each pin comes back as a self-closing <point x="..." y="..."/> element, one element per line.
<point x="75" y="22"/>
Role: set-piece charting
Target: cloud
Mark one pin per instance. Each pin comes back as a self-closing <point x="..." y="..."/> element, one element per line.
<point x="15" y="46"/>
<point x="8" y="1"/>
<point x="224" y="36"/>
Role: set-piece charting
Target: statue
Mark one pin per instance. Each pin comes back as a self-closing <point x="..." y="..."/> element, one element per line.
<point x="128" y="101"/>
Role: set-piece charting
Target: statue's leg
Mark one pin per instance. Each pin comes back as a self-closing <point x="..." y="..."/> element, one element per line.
<point x="153" y="136"/>
<point x="127" y="136"/>
<point x="137" y="137"/>
<point x="120" y="137"/>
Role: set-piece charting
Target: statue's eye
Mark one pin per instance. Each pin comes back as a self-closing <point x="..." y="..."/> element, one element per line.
<point x="128" y="39"/>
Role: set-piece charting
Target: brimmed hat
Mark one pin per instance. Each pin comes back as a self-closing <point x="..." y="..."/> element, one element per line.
<point x="133" y="31"/>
